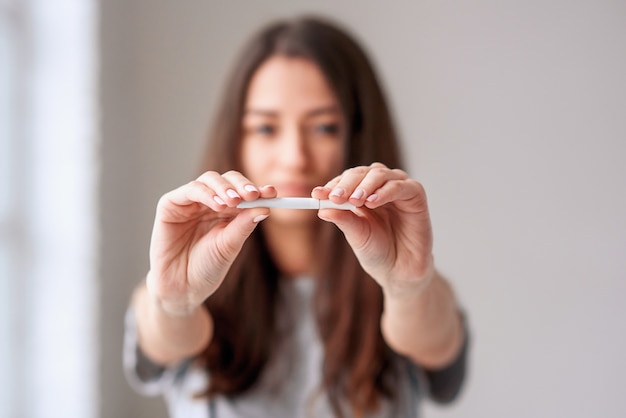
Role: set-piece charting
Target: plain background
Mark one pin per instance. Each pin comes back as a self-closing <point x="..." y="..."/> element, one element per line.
<point x="513" y="116"/>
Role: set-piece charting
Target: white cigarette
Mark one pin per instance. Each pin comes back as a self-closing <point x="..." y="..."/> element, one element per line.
<point x="295" y="203"/>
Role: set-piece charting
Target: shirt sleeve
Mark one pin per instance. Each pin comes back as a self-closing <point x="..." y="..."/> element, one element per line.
<point x="445" y="384"/>
<point x="144" y="375"/>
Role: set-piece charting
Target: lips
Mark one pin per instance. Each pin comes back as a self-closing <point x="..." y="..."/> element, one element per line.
<point x="294" y="189"/>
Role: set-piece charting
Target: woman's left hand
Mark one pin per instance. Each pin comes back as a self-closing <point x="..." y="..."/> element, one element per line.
<point x="390" y="230"/>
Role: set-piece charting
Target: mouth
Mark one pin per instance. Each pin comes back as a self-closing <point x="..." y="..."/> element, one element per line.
<point x="294" y="189"/>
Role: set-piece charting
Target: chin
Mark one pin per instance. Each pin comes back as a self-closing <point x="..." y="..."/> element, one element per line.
<point x="293" y="216"/>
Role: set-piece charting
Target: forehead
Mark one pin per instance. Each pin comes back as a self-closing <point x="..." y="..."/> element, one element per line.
<point x="287" y="84"/>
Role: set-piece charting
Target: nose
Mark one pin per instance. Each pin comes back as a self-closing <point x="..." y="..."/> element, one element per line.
<point x="294" y="153"/>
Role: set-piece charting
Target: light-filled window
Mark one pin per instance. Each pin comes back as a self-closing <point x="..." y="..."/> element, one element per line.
<point x="48" y="192"/>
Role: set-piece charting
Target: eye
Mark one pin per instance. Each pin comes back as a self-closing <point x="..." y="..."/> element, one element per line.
<point x="265" y="130"/>
<point x="331" y="129"/>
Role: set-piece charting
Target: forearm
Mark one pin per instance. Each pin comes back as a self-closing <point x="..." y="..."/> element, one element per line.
<point x="168" y="339"/>
<point x="426" y="326"/>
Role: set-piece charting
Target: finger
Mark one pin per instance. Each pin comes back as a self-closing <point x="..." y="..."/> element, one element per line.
<point x="242" y="185"/>
<point x="358" y="183"/>
<point x="248" y="219"/>
<point x="332" y="182"/>
<point x="194" y="192"/>
<point x="239" y="229"/>
<point x="343" y="186"/>
<point x="214" y="253"/>
<point x="268" y="192"/>
<point x="320" y="192"/>
<point x="323" y="192"/>
<point x="375" y="179"/>
<point x="354" y="227"/>
<point x="408" y="194"/>
<point x="225" y="192"/>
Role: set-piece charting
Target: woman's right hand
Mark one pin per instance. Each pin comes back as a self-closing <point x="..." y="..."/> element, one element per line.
<point x="197" y="234"/>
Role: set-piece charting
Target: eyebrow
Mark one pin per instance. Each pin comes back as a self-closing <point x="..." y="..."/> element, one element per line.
<point x="315" y="112"/>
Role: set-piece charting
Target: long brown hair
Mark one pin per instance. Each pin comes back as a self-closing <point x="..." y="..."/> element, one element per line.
<point x="348" y="304"/>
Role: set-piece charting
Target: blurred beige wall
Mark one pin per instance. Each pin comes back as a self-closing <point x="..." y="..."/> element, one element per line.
<point x="513" y="117"/>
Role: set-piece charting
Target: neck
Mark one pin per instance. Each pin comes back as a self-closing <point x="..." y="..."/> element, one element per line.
<point x="291" y="246"/>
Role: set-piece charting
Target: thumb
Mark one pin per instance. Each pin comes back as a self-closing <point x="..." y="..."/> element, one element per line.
<point x="354" y="228"/>
<point x="240" y="228"/>
<point x="211" y="259"/>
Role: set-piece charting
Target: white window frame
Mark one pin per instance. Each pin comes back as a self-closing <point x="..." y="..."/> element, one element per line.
<point x="48" y="208"/>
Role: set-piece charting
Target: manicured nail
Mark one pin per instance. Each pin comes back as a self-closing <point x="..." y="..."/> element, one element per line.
<point x="233" y="194"/>
<point x="259" y="218"/>
<point x="358" y="194"/>
<point x="372" y="197"/>
<point x="219" y="200"/>
<point x="250" y="188"/>
<point x="337" y="192"/>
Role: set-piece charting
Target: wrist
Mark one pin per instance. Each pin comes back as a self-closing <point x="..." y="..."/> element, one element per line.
<point x="172" y="309"/>
<point x="411" y="289"/>
<point x="166" y="306"/>
<point x="166" y="336"/>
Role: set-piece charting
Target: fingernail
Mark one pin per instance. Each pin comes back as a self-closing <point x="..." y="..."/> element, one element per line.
<point x="219" y="200"/>
<point x="358" y="194"/>
<point x="372" y="197"/>
<point x="337" y="192"/>
<point x="233" y="194"/>
<point x="259" y="218"/>
<point x="250" y="188"/>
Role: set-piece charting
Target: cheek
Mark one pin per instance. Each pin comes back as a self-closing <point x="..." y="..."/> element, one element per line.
<point x="332" y="159"/>
<point x="255" y="159"/>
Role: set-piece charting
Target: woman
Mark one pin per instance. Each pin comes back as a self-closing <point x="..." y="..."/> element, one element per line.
<point x="283" y="312"/>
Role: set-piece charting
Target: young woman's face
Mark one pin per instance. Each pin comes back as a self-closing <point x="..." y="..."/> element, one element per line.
<point x="293" y="129"/>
